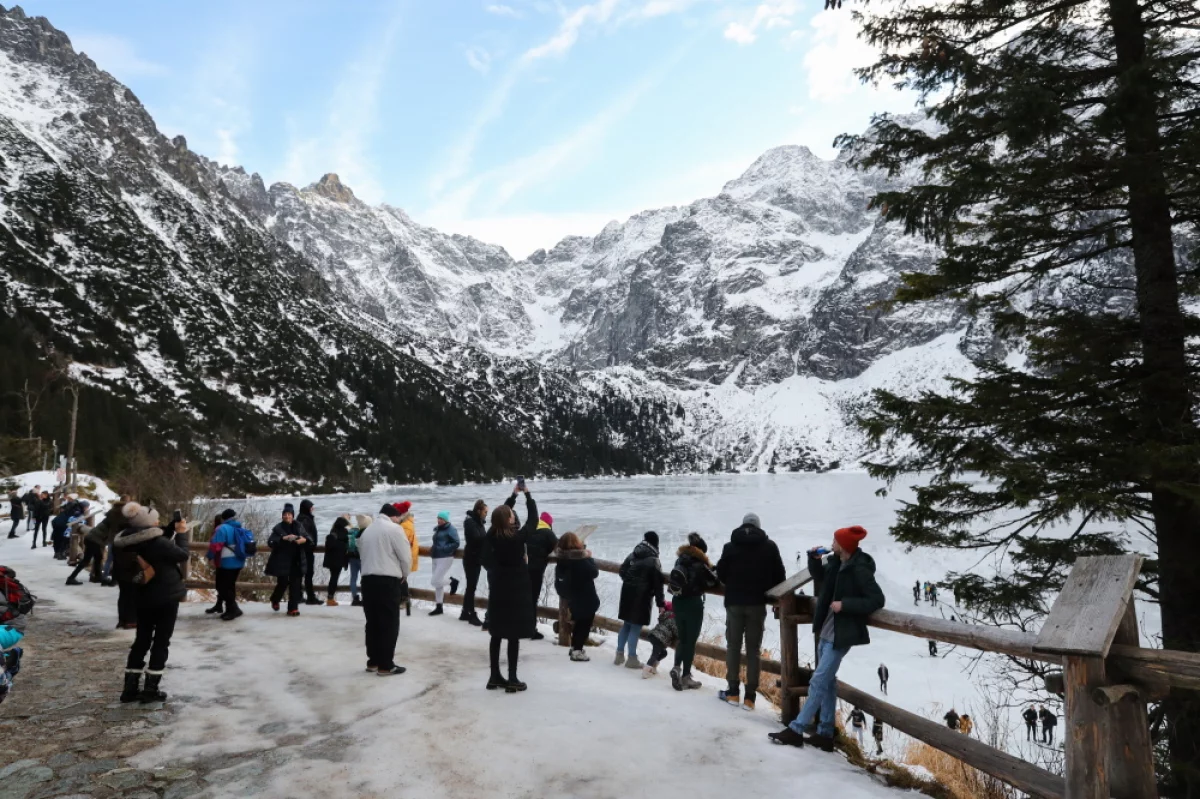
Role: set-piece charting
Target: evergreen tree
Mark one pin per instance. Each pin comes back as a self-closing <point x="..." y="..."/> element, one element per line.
<point x="1060" y="172"/>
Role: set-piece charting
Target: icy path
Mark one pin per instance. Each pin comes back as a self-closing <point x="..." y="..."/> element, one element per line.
<point x="293" y="693"/>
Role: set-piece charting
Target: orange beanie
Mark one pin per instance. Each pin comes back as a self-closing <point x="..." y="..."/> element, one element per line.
<point x="848" y="537"/>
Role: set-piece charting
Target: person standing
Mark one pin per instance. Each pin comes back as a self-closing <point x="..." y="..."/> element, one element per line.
<point x="409" y="525"/>
<point x="750" y="565"/>
<point x="16" y="514"/>
<point x="858" y="723"/>
<point x="917" y="593"/>
<point x="286" y="565"/>
<point x="336" y="546"/>
<point x="882" y="671"/>
<point x="353" y="560"/>
<point x="951" y="719"/>
<point x="933" y="648"/>
<point x="157" y="599"/>
<point x="386" y="562"/>
<point x="877" y="734"/>
<point x="965" y="725"/>
<point x="691" y="577"/>
<point x="849" y="594"/>
<point x="41" y="519"/>
<point x="1031" y="719"/>
<point x="308" y="551"/>
<point x="441" y="552"/>
<point x="30" y="501"/>
<point x="228" y="549"/>
<point x="474" y="532"/>
<point x="641" y="584"/>
<point x="93" y="552"/>
<point x="511" y="611"/>
<point x="1049" y="722"/>
<point x="575" y="579"/>
<point x="542" y="542"/>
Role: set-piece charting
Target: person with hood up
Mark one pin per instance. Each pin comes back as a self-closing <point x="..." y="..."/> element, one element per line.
<point x="140" y="547"/>
<point x="17" y="513"/>
<point x="641" y="584"/>
<point x="849" y="594"/>
<point x="228" y="549"/>
<point x="575" y="578"/>
<point x="691" y="577"/>
<point x="541" y="543"/>
<point x="308" y="552"/>
<point x="287" y="542"/>
<point x="353" y="558"/>
<point x="386" y="557"/>
<point x="441" y="552"/>
<point x="474" y="532"/>
<point x="511" y="612"/>
<point x="750" y="565"/>
<point x="336" y="545"/>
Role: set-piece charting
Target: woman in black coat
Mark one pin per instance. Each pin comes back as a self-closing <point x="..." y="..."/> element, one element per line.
<point x="641" y="584"/>
<point x="336" y="545"/>
<point x="18" y="513"/>
<point x="511" y="614"/>
<point x="157" y="599"/>
<point x="474" y="532"/>
<point x="287" y="543"/>
<point x="575" y="578"/>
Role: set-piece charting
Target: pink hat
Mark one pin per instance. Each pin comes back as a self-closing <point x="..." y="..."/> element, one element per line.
<point x="547" y="518"/>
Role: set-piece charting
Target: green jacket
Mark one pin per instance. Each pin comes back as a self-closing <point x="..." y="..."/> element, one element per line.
<point x="853" y="584"/>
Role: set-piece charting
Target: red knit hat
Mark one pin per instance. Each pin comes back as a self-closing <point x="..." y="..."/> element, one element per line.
<point x="848" y="537"/>
<point x="404" y="506"/>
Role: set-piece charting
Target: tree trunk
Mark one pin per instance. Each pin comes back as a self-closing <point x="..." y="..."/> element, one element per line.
<point x="71" y="442"/>
<point x="1166" y="402"/>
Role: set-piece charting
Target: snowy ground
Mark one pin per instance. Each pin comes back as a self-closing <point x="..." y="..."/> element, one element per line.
<point x="294" y="689"/>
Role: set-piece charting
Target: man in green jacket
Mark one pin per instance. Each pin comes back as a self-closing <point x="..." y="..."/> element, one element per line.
<point x="848" y="596"/>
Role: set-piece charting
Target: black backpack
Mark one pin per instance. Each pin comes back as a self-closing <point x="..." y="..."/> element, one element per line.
<point x="562" y="582"/>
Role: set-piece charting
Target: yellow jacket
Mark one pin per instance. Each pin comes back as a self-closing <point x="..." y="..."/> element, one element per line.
<point x="410" y="530"/>
<point x="965" y="726"/>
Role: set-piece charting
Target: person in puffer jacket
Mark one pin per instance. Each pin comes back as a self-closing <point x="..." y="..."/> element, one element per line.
<point x="441" y="552"/>
<point x="641" y="584"/>
<point x="664" y="635"/>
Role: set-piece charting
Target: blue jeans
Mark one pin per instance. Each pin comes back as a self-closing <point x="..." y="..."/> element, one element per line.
<point x="629" y="633"/>
<point x="822" y="692"/>
<point x="108" y="562"/>
<point x="355" y="565"/>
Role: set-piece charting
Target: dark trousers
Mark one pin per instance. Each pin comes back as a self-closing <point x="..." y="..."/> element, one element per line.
<point x="61" y="541"/>
<point x="93" y="555"/>
<point x="1030" y="731"/>
<point x="883" y="686"/>
<point x="126" y="603"/>
<point x="13" y="532"/>
<point x="689" y="618"/>
<point x="227" y="588"/>
<point x="514" y="653"/>
<point x="310" y="563"/>
<point x="658" y="651"/>
<point x="43" y="525"/>
<point x="536" y="576"/>
<point x="1047" y="734"/>
<point x="289" y="585"/>
<point x="381" y="596"/>
<point x="582" y="625"/>
<point x="333" y="578"/>
<point x="154" y="628"/>
<point x="471" y="569"/>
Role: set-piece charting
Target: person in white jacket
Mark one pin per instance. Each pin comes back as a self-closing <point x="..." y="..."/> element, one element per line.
<point x="386" y="560"/>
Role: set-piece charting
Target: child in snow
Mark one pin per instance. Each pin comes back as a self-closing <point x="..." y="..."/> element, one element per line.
<point x="858" y="723"/>
<point x="665" y="635"/>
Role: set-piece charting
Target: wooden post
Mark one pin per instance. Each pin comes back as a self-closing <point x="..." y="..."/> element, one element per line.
<point x="187" y="539"/>
<point x="564" y="623"/>
<point x="789" y="659"/>
<point x="1130" y="752"/>
<point x="1086" y="738"/>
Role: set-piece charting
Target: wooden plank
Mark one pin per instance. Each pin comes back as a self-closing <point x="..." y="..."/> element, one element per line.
<point x="1130" y="750"/>
<point x="791" y="584"/>
<point x="1086" y="615"/>
<point x="1154" y="667"/>
<point x="1086" y="737"/>
<point x="789" y="658"/>
<point x="1011" y="770"/>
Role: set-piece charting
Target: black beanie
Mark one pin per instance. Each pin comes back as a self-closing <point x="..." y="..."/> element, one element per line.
<point x="228" y="514"/>
<point x="651" y="538"/>
<point x="389" y="510"/>
<point x="289" y="508"/>
<point x="695" y="540"/>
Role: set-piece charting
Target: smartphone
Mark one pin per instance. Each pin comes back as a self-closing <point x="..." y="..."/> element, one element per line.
<point x="177" y="516"/>
<point x="520" y="483"/>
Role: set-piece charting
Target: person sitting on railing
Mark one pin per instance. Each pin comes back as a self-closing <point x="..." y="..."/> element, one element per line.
<point x="691" y="577"/>
<point x="575" y="581"/>
<point x="641" y="584"/>
<point x="749" y="567"/>
<point x="849" y="594"/>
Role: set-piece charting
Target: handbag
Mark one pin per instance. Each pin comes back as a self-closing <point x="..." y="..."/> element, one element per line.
<point x="145" y="572"/>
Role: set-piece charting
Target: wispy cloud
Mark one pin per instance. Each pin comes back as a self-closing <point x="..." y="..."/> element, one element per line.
<point x="116" y="55"/>
<point x="479" y="60"/>
<point x="502" y="10"/>
<point x="766" y="15"/>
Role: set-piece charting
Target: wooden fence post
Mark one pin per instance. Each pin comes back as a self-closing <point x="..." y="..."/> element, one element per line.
<point x="564" y="623"/>
<point x="1131" y="752"/>
<point x="789" y="658"/>
<point x="187" y="564"/>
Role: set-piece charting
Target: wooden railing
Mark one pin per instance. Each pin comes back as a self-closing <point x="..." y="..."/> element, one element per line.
<point x="1091" y="632"/>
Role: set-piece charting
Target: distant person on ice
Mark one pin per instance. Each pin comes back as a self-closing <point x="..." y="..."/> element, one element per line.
<point x="575" y="581"/>
<point x="441" y="552"/>
<point x="641" y="585"/>
<point x="932" y="648"/>
<point x="1031" y="719"/>
<point x="286" y="565"/>
<point x="849" y="594"/>
<point x="882" y="671"/>
<point x="337" y="543"/>
<point x="474" y="531"/>
<point x="386" y="558"/>
<point x="877" y="734"/>
<point x="511" y="612"/>
<point x="1049" y="722"/>
<point x="750" y="565"/>
<point x="951" y="719"/>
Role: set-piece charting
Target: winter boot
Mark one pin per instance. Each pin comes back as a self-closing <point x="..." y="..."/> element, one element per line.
<point x="453" y="586"/>
<point x="748" y="702"/>
<point x="356" y="602"/>
<point x="312" y="599"/>
<point x="537" y="636"/>
<point x="133" y="685"/>
<point x="474" y="621"/>
<point x="293" y="612"/>
<point x="275" y="606"/>
<point x="437" y="611"/>
<point x="217" y="608"/>
<point x="822" y="742"/>
<point x="619" y="660"/>
<point x="690" y="682"/>
<point x="496" y="681"/>
<point x="676" y="679"/>
<point x="331" y="602"/>
<point x="633" y="663"/>
<point x="579" y="656"/>
<point x="231" y="614"/>
<point x="72" y="581"/>
<point x="150" y="692"/>
<point x="787" y="737"/>
<point x="513" y="684"/>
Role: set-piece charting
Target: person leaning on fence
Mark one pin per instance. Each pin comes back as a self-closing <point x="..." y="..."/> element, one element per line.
<point x="690" y="578"/>
<point x="336" y="544"/>
<point x="474" y="533"/>
<point x="849" y="594"/>
<point x="641" y="585"/>
<point x="286" y="564"/>
<point x="575" y="581"/>
<point x="386" y="559"/>
<point x="749" y="567"/>
<point x="227" y="550"/>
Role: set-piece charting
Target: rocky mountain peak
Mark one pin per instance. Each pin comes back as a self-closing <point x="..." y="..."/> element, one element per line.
<point x="331" y="187"/>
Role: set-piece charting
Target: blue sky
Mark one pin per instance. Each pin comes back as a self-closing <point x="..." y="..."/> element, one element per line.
<point x="517" y="121"/>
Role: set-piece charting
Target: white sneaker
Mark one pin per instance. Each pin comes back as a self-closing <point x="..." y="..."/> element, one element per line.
<point x="619" y="660"/>
<point x="648" y="672"/>
<point x="579" y="656"/>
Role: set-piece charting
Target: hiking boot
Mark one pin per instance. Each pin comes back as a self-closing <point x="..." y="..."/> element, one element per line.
<point x="453" y="586"/>
<point x="619" y="660"/>
<point x="633" y="663"/>
<point x="133" y="685"/>
<point x="73" y="581"/>
<point x="312" y="600"/>
<point x="579" y="656"/>
<point x="331" y="602"/>
<point x="437" y="611"/>
<point x="691" y="683"/>
<point x="217" y="608"/>
<point x="150" y="692"/>
<point x="729" y="696"/>
<point x="787" y="737"/>
<point x="391" y="670"/>
<point x="822" y="742"/>
<point x="496" y="681"/>
<point x="676" y="679"/>
<point x="649" y="671"/>
<point x="356" y="602"/>
<point x="230" y="615"/>
<point x="474" y="621"/>
<point x="748" y="703"/>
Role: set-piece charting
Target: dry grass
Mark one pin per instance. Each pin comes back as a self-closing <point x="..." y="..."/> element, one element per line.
<point x="959" y="779"/>
<point x="767" y="687"/>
